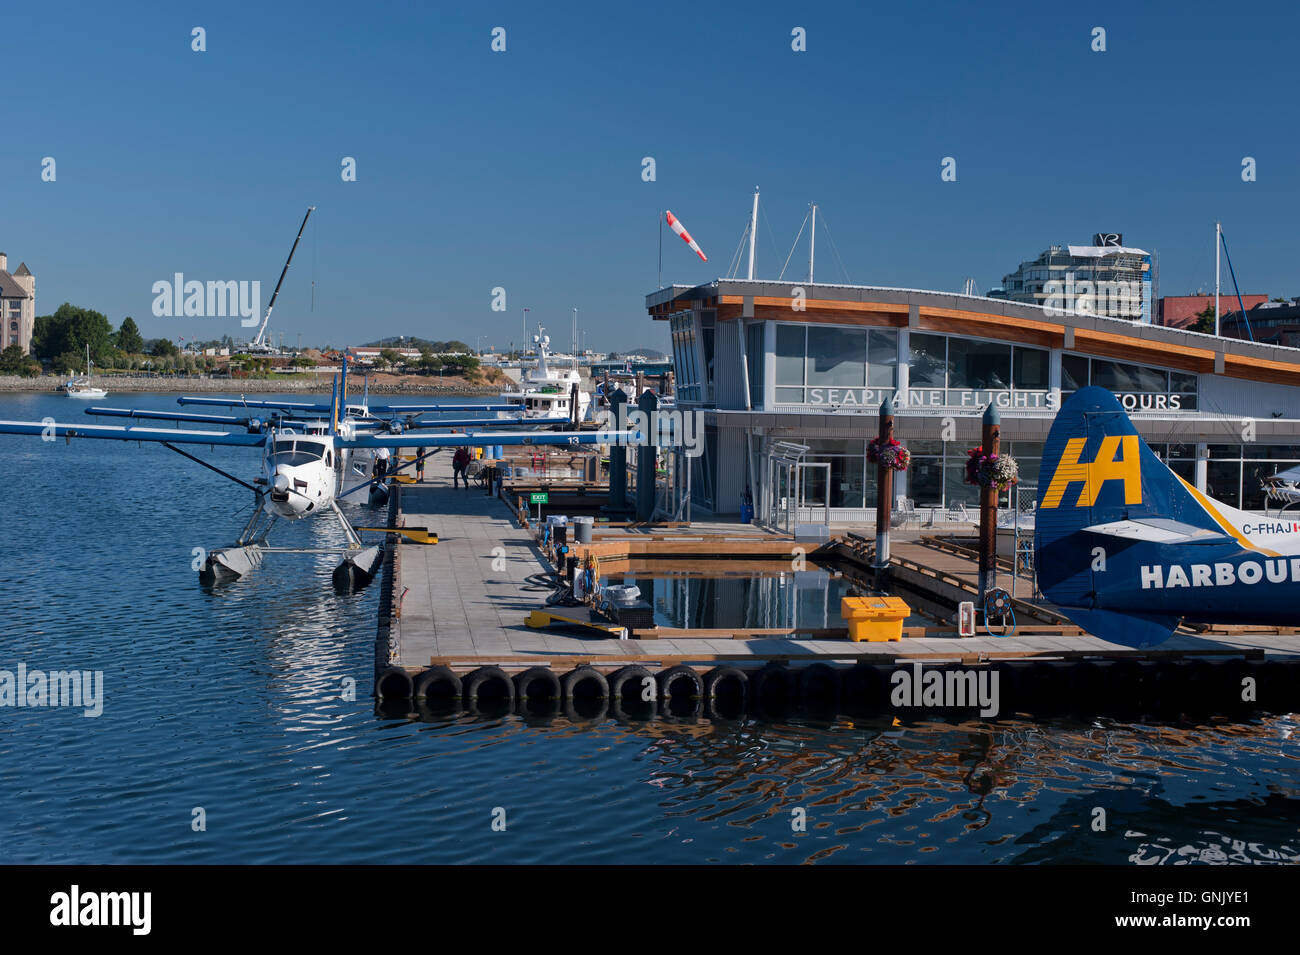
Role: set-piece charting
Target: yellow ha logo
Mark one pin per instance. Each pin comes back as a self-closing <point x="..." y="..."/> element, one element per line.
<point x="1107" y="467"/>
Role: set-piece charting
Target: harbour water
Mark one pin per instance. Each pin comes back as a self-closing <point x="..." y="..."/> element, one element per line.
<point x="235" y="702"/>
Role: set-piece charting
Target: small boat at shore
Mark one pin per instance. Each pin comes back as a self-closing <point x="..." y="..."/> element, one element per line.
<point x="81" y="387"/>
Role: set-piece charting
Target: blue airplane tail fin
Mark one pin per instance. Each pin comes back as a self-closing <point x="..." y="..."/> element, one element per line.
<point x="1103" y="494"/>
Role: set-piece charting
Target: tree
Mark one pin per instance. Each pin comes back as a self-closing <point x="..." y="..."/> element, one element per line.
<point x="1205" y="321"/>
<point x="15" y="361"/>
<point x="70" y="329"/>
<point x="129" y="338"/>
<point x="390" y="357"/>
<point x="69" y="362"/>
<point x="163" y="348"/>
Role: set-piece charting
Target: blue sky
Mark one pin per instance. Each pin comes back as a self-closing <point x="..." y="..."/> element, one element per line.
<point x="522" y="169"/>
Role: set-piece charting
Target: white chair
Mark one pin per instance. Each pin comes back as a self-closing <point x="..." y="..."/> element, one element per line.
<point x="957" y="513"/>
<point x="904" y="512"/>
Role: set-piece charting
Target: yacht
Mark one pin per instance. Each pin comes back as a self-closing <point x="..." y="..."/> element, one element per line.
<point x="546" y="392"/>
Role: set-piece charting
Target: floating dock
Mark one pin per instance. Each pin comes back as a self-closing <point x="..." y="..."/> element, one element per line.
<point x="454" y="627"/>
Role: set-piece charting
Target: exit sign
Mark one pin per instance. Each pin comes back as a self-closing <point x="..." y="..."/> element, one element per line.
<point x="539" y="497"/>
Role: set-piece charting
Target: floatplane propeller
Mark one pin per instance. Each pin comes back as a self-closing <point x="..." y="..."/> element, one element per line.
<point x="307" y="461"/>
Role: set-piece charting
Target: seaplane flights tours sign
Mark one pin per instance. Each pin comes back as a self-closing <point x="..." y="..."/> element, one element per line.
<point x="975" y="399"/>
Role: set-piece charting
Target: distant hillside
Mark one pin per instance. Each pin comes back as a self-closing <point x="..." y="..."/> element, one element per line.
<point x="654" y="353"/>
<point x="412" y="341"/>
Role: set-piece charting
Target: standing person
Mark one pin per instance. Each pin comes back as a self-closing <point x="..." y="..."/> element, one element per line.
<point x="419" y="464"/>
<point x="459" y="463"/>
<point x="381" y="463"/>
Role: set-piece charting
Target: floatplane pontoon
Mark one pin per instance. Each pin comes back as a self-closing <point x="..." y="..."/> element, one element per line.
<point x="307" y="461"/>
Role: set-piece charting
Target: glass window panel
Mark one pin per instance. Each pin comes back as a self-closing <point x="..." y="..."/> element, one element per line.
<point x="1030" y="370"/>
<point x="837" y="356"/>
<point x="754" y="362"/>
<point x="1182" y="451"/>
<point x="1181" y="382"/>
<point x="882" y="358"/>
<point x="868" y="485"/>
<point x="1024" y="449"/>
<point x="923" y="447"/>
<point x="1252" y="493"/>
<point x="925" y="482"/>
<point x="1222" y="481"/>
<point x="1028" y="469"/>
<point x="1273" y="452"/>
<point x="848" y="481"/>
<point x="1074" y="372"/>
<point x="956" y="490"/>
<point x="1123" y="377"/>
<point x="929" y="362"/>
<point x="978" y="364"/>
<point x="786" y="396"/>
<point x="1184" y="469"/>
<point x="1225" y="451"/>
<point x="789" y="354"/>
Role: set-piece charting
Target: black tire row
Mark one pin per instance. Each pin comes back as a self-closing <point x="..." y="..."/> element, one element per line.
<point x="1127" y="688"/>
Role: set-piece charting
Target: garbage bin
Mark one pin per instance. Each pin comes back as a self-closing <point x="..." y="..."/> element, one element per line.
<point x="582" y="528"/>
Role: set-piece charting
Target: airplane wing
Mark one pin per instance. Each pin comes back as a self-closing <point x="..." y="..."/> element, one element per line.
<point x="249" y="403"/>
<point x="1160" y="531"/>
<point x="168" y="416"/>
<point x="51" y="429"/>
<point x="486" y="437"/>
<point x="482" y="422"/>
<point x="410" y="409"/>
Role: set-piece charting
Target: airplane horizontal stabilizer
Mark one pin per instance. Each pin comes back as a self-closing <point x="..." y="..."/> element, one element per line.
<point x="1160" y="531"/>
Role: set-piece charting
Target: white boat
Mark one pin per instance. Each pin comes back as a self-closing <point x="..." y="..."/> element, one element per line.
<point x="81" y="387"/>
<point x="546" y="392"/>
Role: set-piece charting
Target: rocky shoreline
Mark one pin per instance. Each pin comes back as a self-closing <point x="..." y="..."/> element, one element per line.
<point x="181" y="384"/>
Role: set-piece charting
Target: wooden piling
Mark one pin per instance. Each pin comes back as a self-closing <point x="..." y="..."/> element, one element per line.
<point x="990" y="444"/>
<point x="884" y="490"/>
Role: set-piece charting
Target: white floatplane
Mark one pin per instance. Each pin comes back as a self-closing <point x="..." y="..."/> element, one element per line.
<point x="1282" y="490"/>
<point x="306" y="455"/>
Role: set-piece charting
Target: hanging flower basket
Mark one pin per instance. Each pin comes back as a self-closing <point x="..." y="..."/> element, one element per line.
<point x="991" y="470"/>
<point x="890" y="453"/>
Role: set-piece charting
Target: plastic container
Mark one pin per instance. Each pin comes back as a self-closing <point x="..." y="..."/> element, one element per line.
<point x="582" y="528"/>
<point x="746" y="513"/>
<point x="874" y="619"/>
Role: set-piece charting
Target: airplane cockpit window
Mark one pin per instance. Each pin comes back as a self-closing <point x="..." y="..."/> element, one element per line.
<point x="296" y="452"/>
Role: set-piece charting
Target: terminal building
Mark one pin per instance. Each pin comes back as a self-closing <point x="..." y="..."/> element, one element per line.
<point x="790" y="379"/>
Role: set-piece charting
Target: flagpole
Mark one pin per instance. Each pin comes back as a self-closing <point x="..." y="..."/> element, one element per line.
<point x="661" y="250"/>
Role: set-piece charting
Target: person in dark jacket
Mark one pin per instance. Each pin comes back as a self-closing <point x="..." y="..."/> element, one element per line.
<point x="459" y="462"/>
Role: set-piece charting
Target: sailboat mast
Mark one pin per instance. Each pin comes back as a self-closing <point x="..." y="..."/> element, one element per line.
<point x="812" y="244"/>
<point x="753" y="233"/>
<point x="1218" y="231"/>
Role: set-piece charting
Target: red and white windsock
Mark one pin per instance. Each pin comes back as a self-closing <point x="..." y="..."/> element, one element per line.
<point x="686" y="236"/>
